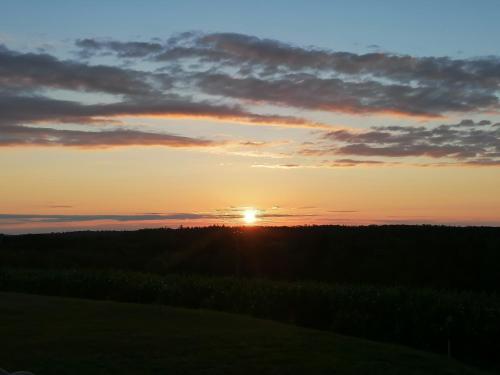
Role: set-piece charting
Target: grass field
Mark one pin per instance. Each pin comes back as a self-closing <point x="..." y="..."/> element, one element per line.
<point x="53" y="336"/>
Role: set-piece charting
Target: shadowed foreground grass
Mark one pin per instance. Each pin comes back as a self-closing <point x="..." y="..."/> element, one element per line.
<point x="53" y="336"/>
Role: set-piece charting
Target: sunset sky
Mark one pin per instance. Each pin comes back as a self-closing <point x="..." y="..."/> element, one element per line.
<point x="131" y="114"/>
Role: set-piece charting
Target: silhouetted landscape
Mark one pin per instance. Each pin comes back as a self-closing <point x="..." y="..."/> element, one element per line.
<point x="440" y="257"/>
<point x="429" y="287"/>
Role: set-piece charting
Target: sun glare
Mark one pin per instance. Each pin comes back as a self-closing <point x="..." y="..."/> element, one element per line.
<point x="249" y="216"/>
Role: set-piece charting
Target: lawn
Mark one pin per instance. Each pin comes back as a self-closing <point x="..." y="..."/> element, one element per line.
<point x="54" y="336"/>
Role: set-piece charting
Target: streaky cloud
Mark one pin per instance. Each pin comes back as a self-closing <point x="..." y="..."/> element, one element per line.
<point x="37" y="136"/>
<point x="467" y="142"/>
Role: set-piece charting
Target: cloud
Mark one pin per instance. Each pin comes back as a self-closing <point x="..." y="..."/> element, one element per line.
<point x="37" y="136"/>
<point x="246" y="49"/>
<point x="283" y="166"/>
<point x="337" y="95"/>
<point x="266" y="70"/>
<point x="89" y="47"/>
<point x="468" y="142"/>
<point x="483" y="162"/>
<point x="34" y="120"/>
<point x="324" y="164"/>
<point x="41" y="218"/>
<point x="35" y="108"/>
<point x="33" y="111"/>
<point x="59" y="218"/>
<point x="218" y="76"/>
<point x="24" y="77"/>
<point x="352" y="163"/>
<point x="37" y="70"/>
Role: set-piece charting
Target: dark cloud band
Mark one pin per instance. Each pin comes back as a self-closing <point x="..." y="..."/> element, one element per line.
<point x="280" y="73"/>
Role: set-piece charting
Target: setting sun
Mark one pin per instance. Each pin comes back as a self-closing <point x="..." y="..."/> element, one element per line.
<point x="250" y="216"/>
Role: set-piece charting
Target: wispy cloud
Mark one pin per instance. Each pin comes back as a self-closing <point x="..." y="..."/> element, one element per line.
<point x="467" y="142"/>
<point x="338" y="163"/>
<point x="36" y="136"/>
<point x="226" y="214"/>
<point x="49" y="218"/>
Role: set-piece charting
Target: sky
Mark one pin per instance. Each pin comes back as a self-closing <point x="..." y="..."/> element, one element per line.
<point x="133" y="114"/>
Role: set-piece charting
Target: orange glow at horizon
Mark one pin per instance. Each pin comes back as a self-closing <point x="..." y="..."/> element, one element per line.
<point x="135" y="181"/>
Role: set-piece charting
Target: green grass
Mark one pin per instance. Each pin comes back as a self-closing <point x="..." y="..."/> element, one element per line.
<point x="53" y="336"/>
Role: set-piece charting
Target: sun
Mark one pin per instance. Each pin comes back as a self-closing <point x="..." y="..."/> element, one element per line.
<point x="250" y="216"/>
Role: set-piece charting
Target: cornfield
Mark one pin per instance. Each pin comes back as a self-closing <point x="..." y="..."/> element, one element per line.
<point x="422" y="318"/>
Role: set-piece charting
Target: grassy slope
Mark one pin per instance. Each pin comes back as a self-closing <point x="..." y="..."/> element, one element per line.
<point x="53" y="336"/>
